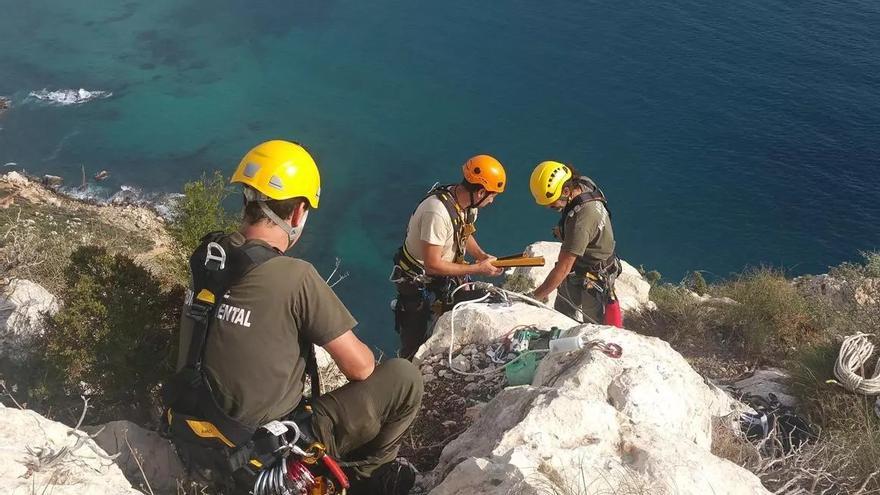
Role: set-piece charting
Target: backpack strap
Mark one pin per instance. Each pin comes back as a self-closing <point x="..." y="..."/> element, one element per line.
<point x="216" y="265"/>
<point x="591" y="193"/>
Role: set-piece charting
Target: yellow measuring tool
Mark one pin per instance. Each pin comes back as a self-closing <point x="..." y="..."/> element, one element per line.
<point x="518" y="260"/>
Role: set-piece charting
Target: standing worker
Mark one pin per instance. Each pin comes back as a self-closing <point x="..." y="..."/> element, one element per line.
<point x="247" y="336"/>
<point x="431" y="262"/>
<point x="587" y="266"/>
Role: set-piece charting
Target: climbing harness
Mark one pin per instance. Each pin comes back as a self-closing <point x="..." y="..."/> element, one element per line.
<point x="591" y="193"/>
<point x="854" y="353"/>
<point x="408" y="267"/>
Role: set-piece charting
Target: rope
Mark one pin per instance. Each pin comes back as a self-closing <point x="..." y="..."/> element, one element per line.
<point x="855" y="351"/>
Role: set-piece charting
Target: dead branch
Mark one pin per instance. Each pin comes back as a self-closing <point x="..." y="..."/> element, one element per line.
<point x="6" y="391"/>
<point x="138" y="462"/>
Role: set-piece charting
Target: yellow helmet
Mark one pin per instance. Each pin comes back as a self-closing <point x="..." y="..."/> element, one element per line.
<point x="280" y="170"/>
<point x="547" y="181"/>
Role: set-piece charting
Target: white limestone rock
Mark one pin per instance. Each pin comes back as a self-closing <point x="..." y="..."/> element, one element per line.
<point x="590" y="423"/>
<point x="632" y="289"/>
<point x="23" y="305"/>
<point x="37" y="456"/>
<point x="768" y="381"/>
<point x="331" y="377"/>
<point x="15" y="178"/>
<point x="840" y="292"/>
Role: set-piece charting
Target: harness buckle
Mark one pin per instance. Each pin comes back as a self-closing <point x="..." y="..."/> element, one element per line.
<point x="219" y="258"/>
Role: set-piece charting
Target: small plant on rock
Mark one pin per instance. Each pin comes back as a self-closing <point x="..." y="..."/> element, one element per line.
<point x="198" y="212"/>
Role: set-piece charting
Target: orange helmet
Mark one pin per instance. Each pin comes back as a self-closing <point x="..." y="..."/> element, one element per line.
<point x="485" y="171"/>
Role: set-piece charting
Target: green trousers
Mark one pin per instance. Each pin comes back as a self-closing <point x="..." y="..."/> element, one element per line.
<point x="365" y="421"/>
<point x="580" y="301"/>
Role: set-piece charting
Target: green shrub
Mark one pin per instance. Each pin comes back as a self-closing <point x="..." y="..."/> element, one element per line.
<point x="871" y="263"/>
<point x="114" y="333"/>
<point x="653" y="276"/>
<point x="679" y="318"/>
<point x="198" y="212"/>
<point x="772" y="318"/>
<point x="697" y="283"/>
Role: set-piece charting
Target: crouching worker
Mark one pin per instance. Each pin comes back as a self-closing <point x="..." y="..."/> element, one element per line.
<point x="246" y="344"/>
<point x="431" y="263"/>
<point x="587" y="266"/>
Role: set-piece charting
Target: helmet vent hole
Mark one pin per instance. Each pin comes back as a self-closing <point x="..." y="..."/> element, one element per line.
<point x="275" y="182"/>
<point x="549" y="195"/>
<point x="476" y="170"/>
<point x="250" y="170"/>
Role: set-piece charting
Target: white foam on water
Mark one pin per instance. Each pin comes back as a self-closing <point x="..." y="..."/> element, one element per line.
<point x="64" y="97"/>
<point x="165" y="204"/>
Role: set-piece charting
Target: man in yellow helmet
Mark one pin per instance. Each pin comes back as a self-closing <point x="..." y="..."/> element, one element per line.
<point x="587" y="266"/>
<point x="431" y="262"/>
<point x="247" y="342"/>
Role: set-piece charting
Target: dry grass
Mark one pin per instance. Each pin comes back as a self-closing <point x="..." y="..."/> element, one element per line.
<point x="619" y="480"/>
<point x="828" y="466"/>
<point x="772" y="320"/>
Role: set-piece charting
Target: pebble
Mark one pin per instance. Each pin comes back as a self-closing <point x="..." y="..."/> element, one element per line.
<point x="448" y="423"/>
<point x="461" y="363"/>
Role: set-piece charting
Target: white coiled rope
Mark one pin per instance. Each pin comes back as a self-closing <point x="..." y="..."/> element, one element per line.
<point x="855" y="351"/>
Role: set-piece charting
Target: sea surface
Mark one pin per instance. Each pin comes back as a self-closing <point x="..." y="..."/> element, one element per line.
<point x="726" y="134"/>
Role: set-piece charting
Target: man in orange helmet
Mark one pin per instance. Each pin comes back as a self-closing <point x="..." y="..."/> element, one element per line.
<point x="431" y="262"/>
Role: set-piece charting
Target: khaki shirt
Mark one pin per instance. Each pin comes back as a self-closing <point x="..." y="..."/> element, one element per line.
<point x="253" y="355"/>
<point x="588" y="235"/>
<point x="431" y="223"/>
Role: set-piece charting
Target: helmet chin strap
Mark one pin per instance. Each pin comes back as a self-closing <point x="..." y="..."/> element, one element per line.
<point x="293" y="233"/>
<point x="477" y="204"/>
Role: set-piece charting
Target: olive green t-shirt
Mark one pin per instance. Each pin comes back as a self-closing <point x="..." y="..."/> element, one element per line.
<point x="253" y="355"/>
<point x="588" y="235"/>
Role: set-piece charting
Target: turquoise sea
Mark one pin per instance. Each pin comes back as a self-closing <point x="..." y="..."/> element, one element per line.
<point x="726" y="134"/>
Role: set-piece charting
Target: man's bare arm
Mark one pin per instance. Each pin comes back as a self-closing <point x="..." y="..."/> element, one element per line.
<point x="354" y="359"/>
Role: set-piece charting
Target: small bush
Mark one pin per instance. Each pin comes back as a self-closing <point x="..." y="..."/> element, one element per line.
<point x="114" y="333"/>
<point x="871" y="263"/>
<point x="772" y="317"/>
<point x="697" y="283"/>
<point x="199" y="211"/>
<point x="653" y="276"/>
<point x="679" y="318"/>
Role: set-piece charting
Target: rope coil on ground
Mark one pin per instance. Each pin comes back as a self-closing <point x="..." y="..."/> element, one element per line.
<point x="854" y="353"/>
